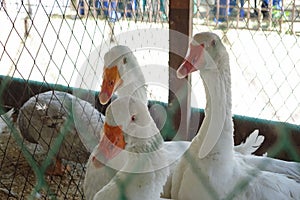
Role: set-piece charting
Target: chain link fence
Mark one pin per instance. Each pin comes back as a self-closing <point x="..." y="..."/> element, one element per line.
<point x="46" y="45"/>
<point x="263" y="55"/>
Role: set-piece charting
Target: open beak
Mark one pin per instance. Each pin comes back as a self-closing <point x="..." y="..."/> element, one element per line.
<point x="111" y="81"/>
<point x="185" y="69"/>
<point x="111" y="144"/>
<point x="192" y="59"/>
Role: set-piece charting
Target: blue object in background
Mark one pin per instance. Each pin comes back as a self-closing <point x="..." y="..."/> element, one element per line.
<point x="105" y="7"/>
<point x="131" y="5"/>
<point x="81" y="7"/>
<point x="114" y="15"/>
<point x="233" y="4"/>
<point x="223" y="10"/>
<point x="110" y="10"/>
<point x="98" y="6"/>
<point x="276" y="3"/>
<point x="162" y="6"/>
<point x="144" y="2"/>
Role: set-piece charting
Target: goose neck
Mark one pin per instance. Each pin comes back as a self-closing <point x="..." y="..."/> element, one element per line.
<point x="136" y="89"/>
<point x="218" y="95"/>
<point x="133" y="83"/>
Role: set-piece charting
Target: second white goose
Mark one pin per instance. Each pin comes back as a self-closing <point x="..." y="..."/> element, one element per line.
<point x="211" y="169"/>
<point x="142" y="165"/>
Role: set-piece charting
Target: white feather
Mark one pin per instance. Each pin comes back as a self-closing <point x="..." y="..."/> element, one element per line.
<point x="252" y="143"/>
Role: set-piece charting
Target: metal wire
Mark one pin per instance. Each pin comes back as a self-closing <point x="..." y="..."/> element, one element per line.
<point x="50" y="42"/>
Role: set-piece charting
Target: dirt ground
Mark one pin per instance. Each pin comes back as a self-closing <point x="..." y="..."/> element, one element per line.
<point x="18" y="180"/>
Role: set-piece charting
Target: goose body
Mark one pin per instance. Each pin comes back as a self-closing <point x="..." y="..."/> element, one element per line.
<point x="51" y="115"/>
<point x="122" y="74"/>
<point x="210" y="168"/>
<point x="98" y="174"/>
<point x="143" y="167"/>
<point x="3" y="119"/>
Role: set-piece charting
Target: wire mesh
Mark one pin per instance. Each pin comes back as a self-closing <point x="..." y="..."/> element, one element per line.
<point x="50" y="41"/>
<point x="263" y="58"/>
<point x="46" y="44"/>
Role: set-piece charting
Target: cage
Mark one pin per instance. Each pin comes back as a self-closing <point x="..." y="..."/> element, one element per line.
<point x="60" y="45"/>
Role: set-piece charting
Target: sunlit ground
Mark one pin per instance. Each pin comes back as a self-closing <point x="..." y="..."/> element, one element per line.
<point x="265" y="66"/>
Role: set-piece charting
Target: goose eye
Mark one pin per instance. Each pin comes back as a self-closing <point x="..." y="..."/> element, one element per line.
<point x="213" y="43"/>
<point x="124" y="60"/>
<point x="133" y="117"/>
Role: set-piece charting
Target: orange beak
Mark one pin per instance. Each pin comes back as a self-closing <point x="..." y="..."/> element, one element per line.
<point x="111" y="81"/>
<point x="111" y="143"/>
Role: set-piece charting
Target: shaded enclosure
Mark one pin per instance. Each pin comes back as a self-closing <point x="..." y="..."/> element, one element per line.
<point x="59" y="45"/>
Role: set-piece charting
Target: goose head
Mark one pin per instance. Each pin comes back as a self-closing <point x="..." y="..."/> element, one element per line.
<point x="119" y="64"/>
<point x="128" y="126"/>
<point x="205" y="52"/>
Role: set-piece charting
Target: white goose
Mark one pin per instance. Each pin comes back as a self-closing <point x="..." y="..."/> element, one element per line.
<point x="122" y="74"/>
<point x="120" y="60"/>
<point x="142" y="164"/>
<point x="210" y="168"/>
<point x="48" y="116"/>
